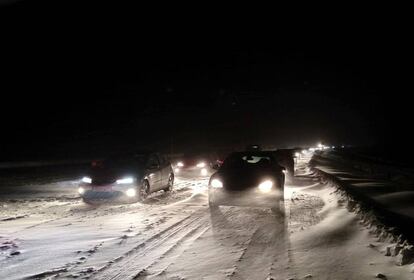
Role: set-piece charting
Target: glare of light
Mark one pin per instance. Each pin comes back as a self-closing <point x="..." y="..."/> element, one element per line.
<point x="204" y="172"/>
<point x="285" y="171"/>
<point x="312" y="149"/>
<point x="320" y="145"/>
<point x="180" y="164"/>
<point x="81" y="190"/>
<point x="266" y="186"/>
<point x="216" y="183"/>
<point x="297" y="155"/>
<point x="127" y="180"/>
<point x="201" y="164"/>
<point x="177" y="170"/>
<point x="87" y="180"/>
<point x="131" y="192"/>
<point x="304" y="151"/>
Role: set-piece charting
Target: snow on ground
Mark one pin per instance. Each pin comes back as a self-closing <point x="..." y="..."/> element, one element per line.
<point x="390" y="191"/>
<point x="175" y="236"/>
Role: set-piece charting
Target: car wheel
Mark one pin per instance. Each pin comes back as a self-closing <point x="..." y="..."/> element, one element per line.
<point x="144" y="190"/>
<point x="170" y="183"/>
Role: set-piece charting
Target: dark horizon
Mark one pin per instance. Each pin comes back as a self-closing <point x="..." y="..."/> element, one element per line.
<point x="65" y="92"/>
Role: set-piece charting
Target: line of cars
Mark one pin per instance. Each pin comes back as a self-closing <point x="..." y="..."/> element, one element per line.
<point x="249" y="178"/>
<point x="196" y="164"/>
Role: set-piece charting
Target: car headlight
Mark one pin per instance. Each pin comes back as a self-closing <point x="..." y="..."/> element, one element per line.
<point x="81" y="190"/>
<point x="128" y="180"/>
<point x="131" y="192"/>
<point x="266" y="186"/>
<point x="201" y="165"/>
<point x="216" y="183"/>
<point x="180" y="164"/>
<point x="87" y="180"/>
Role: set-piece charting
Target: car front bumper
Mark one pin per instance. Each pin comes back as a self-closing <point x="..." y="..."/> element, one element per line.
<point x="251" y="197"/>
<point x="107" y="192"/>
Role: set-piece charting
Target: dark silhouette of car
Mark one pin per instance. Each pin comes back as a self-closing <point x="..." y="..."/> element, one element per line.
<point x="128" y="178"/>
<point x="285" y="158"/>
<point x="251" y="178"/>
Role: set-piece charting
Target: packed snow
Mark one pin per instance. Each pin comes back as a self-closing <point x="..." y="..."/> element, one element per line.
<point x="52" y="234"/>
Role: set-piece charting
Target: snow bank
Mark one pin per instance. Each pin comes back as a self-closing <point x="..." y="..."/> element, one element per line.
<point x="385" y="213"/>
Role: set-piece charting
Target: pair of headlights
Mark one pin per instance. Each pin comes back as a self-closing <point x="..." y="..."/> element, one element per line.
<point x="127" y="180"/>
<point x="264" y="186"/>
<point x="199" y="165"/>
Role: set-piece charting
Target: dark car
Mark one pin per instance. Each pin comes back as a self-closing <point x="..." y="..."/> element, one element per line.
<point x="129" y="178"/>
<point x="285" y="158"/>
<point x="251" y="178"/>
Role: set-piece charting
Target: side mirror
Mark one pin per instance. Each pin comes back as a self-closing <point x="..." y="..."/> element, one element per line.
<point x="215" y="166"/>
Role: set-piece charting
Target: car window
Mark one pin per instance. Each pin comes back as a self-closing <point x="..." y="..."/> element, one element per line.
<point x="256" y="159"/>
<point x="161" y="159"/>
<point x="153" y="160"/>
<point x="247" y="159"/>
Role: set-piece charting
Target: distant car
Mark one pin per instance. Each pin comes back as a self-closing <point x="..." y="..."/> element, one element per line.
<point x="251" y="178"/>
<point x="195" y="165"/>
<point x="129" y="178"/>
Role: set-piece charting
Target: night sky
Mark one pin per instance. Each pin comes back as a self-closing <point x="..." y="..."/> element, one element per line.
<point x="67" y="92"/>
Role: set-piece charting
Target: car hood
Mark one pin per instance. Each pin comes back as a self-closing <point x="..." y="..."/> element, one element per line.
<point x="101" y="176"/>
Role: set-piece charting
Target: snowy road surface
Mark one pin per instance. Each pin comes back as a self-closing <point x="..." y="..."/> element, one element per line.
<point x="47" y="232"/>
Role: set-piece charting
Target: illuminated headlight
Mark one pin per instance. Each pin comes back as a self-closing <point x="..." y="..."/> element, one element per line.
<point x="125" y="181"/>
<point x="297" y="155"/>
<point x="266" y="186"/>
<point x="131" y="192"/>
<point x="204" y="172"/>
<point x="177" y="170"/>
<point x="87" y="180"/>
<point x="216" y="183"/>
<point x="285" y="171"/>
<point x="201" y="165"/>
<point x="81" y="190"/>
<point x="180" y="164"/>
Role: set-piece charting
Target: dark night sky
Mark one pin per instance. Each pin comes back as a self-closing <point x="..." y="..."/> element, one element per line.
<point x="72" y="89"/>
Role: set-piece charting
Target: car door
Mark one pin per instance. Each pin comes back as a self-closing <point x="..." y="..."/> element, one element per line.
<point x="166" y="169"/>
<point x="154" y="172"/>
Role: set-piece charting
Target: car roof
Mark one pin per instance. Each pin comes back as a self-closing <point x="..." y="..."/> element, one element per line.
<point x="258" y="153"/>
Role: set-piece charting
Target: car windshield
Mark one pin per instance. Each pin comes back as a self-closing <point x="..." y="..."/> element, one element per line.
<point x="238" y="160"/>
<point x="122" y="162"/>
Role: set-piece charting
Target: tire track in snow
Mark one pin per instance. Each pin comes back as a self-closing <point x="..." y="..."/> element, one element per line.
<point x="266" y="250"/>
<point x="160" y="265"/>
<point x="132" y="263"/>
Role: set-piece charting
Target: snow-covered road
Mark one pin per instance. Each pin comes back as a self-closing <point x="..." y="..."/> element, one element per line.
<point x="48" y="235"/>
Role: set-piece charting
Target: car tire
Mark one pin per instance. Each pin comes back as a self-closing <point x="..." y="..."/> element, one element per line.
<point x="170" y="183"/>
<point x="143" y="190"/>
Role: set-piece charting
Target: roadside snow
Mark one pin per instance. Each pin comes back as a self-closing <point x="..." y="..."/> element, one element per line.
<point x="175" y="236"/>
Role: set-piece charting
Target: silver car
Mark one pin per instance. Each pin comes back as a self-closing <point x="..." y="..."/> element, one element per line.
<point x="128" y="178"/>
